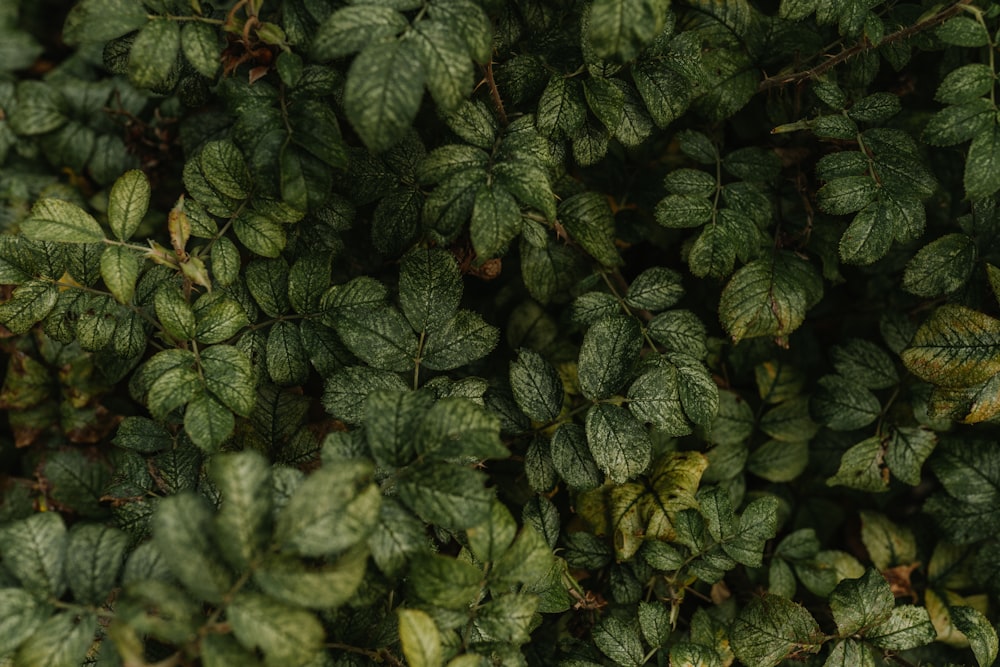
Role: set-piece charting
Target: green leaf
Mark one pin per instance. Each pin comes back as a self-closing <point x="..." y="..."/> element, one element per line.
<point x="225" y="168"/>
<point x="509" y="618"/>
<point x="779" y="461"/>
<point x="102" y="20"/>
<point x="887" y="543"/>
<point x="860" y="604"/>
<point x="242" y="524"/>
<point x="333" y="509"/>
<point x="287" y="636"/>
<point x="572" y="459"/>
<point x="851" y="653"/>
<point x="380" y="337"/>
<point x="61" y="221"/>
<point x="128" y="202"/>
<point x="398" y="536"/>
<point x="446" y="582"/>
<point x="654" y="289"/>
<point x="444" y="55"/>
<point x="561" y="110"/>
<point x="769" y="297"/>
<point x="980" y="632"/>
<point x="875" y="108"/>
<point x="153" y="58"/>
<point x="219" y="318"/>
<point x="620" y="641"/>
<point x="200" y="44"/>
<point x="311" y="585"/>
<point x="287" y="363"/>
<point x="655" y="398"/>
<point x="447" y="495"/>
<point x="789" y="421"/>
<point x="654" y="621"/>
<point x="908" y="449"/>
<point x="455" y="428"/>
<point x="34" y="551"/>
<point x="260" y="234"/>
<point x="182" y="531"/>
<point x="267" y="280"/>
<point x="963" y="31"/>
<point x="536" y="385"/>
<point x="865" y="363"/>
<point x="588" y="219"/>
<point x="666" y="91"/>
<point x="958" y="123"/>
<point x="21" y="614"/>
<point x="98" y="552"/>
<point x="941" y="266"/>
<point x="419" y="638"/>
<point x="771" y="627"/>
<point x="491" y="539"/>
<point x="609" y="351"/>
<point x="31" y="303"/>
<point x="352" y="28"/>
<point x="844" y="405"/>
<point x="120" y="270"/>
<point x="346" y="390"/>
<point x="618" y="29"/>
<point x="391" y="417"/>
<point x="619" y="444"/>
<point x="908" y="627"/>
<point x="463" y="339"/>
<point x="982" y="166"/>
<point x="383" y="92"/>
<point x="62" y="641"/>
<point x="956" y="347"/>
<point x="530" y="184"/>
<point x="228" y="375"/>
<point x="225" y="262"/>
<point x="965" y="84"/>
<point x="430" y="288"/>
<point x="496" y="220"/>
<point x="846" y="195"/>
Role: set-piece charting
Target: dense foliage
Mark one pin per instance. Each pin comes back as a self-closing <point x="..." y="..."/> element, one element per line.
<point x="653" y="333"/>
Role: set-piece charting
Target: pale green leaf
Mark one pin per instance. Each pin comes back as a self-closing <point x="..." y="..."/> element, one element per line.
<point x="956" y="347"/>
<point x="34" y="551"/>
<point x="98" y="553"/>
<point x="61" y="221"/>
<point x="908" y="627"/>
<point x="768" y="297"/>
<point x="183" y="529"/>
<point x="200" y="44"/>
<point x="62" y="641"/>
<point x="120" y="270"/>
<point x="860" y="604"/>
<point x="333" y="509"/>
<point x="980" y="632"/>
<point x="419" y="638"/>
<point x="352" y="28"/>
<point x="287" y="636"/>
<point x="20" y="615"/>
<point x="444" y="55"/>
<point x="128" y="202"/>
<point x="242" y="523"/>
<point x="619" y="640"/>
<point x="153" y="57"/>
<point x="982" y="166"/>
<point x="312" y="585"/>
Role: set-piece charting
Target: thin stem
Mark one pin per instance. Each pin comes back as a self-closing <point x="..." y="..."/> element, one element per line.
<point x="861" y="47"/>
<point x="495" y="93"/>
<point x="417" y="360"/>
<point x="184" y="19"/>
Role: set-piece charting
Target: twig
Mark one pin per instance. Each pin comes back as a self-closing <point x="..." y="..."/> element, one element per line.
<point x="494" y="92"/>
<point x="861" y="47"/>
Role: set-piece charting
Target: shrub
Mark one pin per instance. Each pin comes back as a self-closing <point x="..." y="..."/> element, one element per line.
<point x="651" y="334"/>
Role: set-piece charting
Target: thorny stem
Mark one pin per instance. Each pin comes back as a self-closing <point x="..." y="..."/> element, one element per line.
<point x="495" y="93"/>
<point x="864" y="45"/>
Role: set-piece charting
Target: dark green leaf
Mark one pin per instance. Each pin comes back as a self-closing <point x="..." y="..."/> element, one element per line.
<point x="982" y="166"/>
<point x="20" y="615"/>
<point x="768" y="297"/>
<point x="324" y="586"/>
<point x="844" y="405"/>
<point x="770" y="628"/>
<point x="536" y="385"/>
<point x="619" y="640"/>
<point x="908" y="627"/>
<point x="352" y="28"/>
<point x="610" y="350"/>
<point x="619" y="444"/>
<point x="383" y="91"/>
<point x="447" y="495"/>
<point x="980" y="632"/>
<point x="182" y="530"/>
<point x="30" y="304"/>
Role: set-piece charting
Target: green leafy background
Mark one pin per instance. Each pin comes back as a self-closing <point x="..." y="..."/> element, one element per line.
<point x="499" y="332"/>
